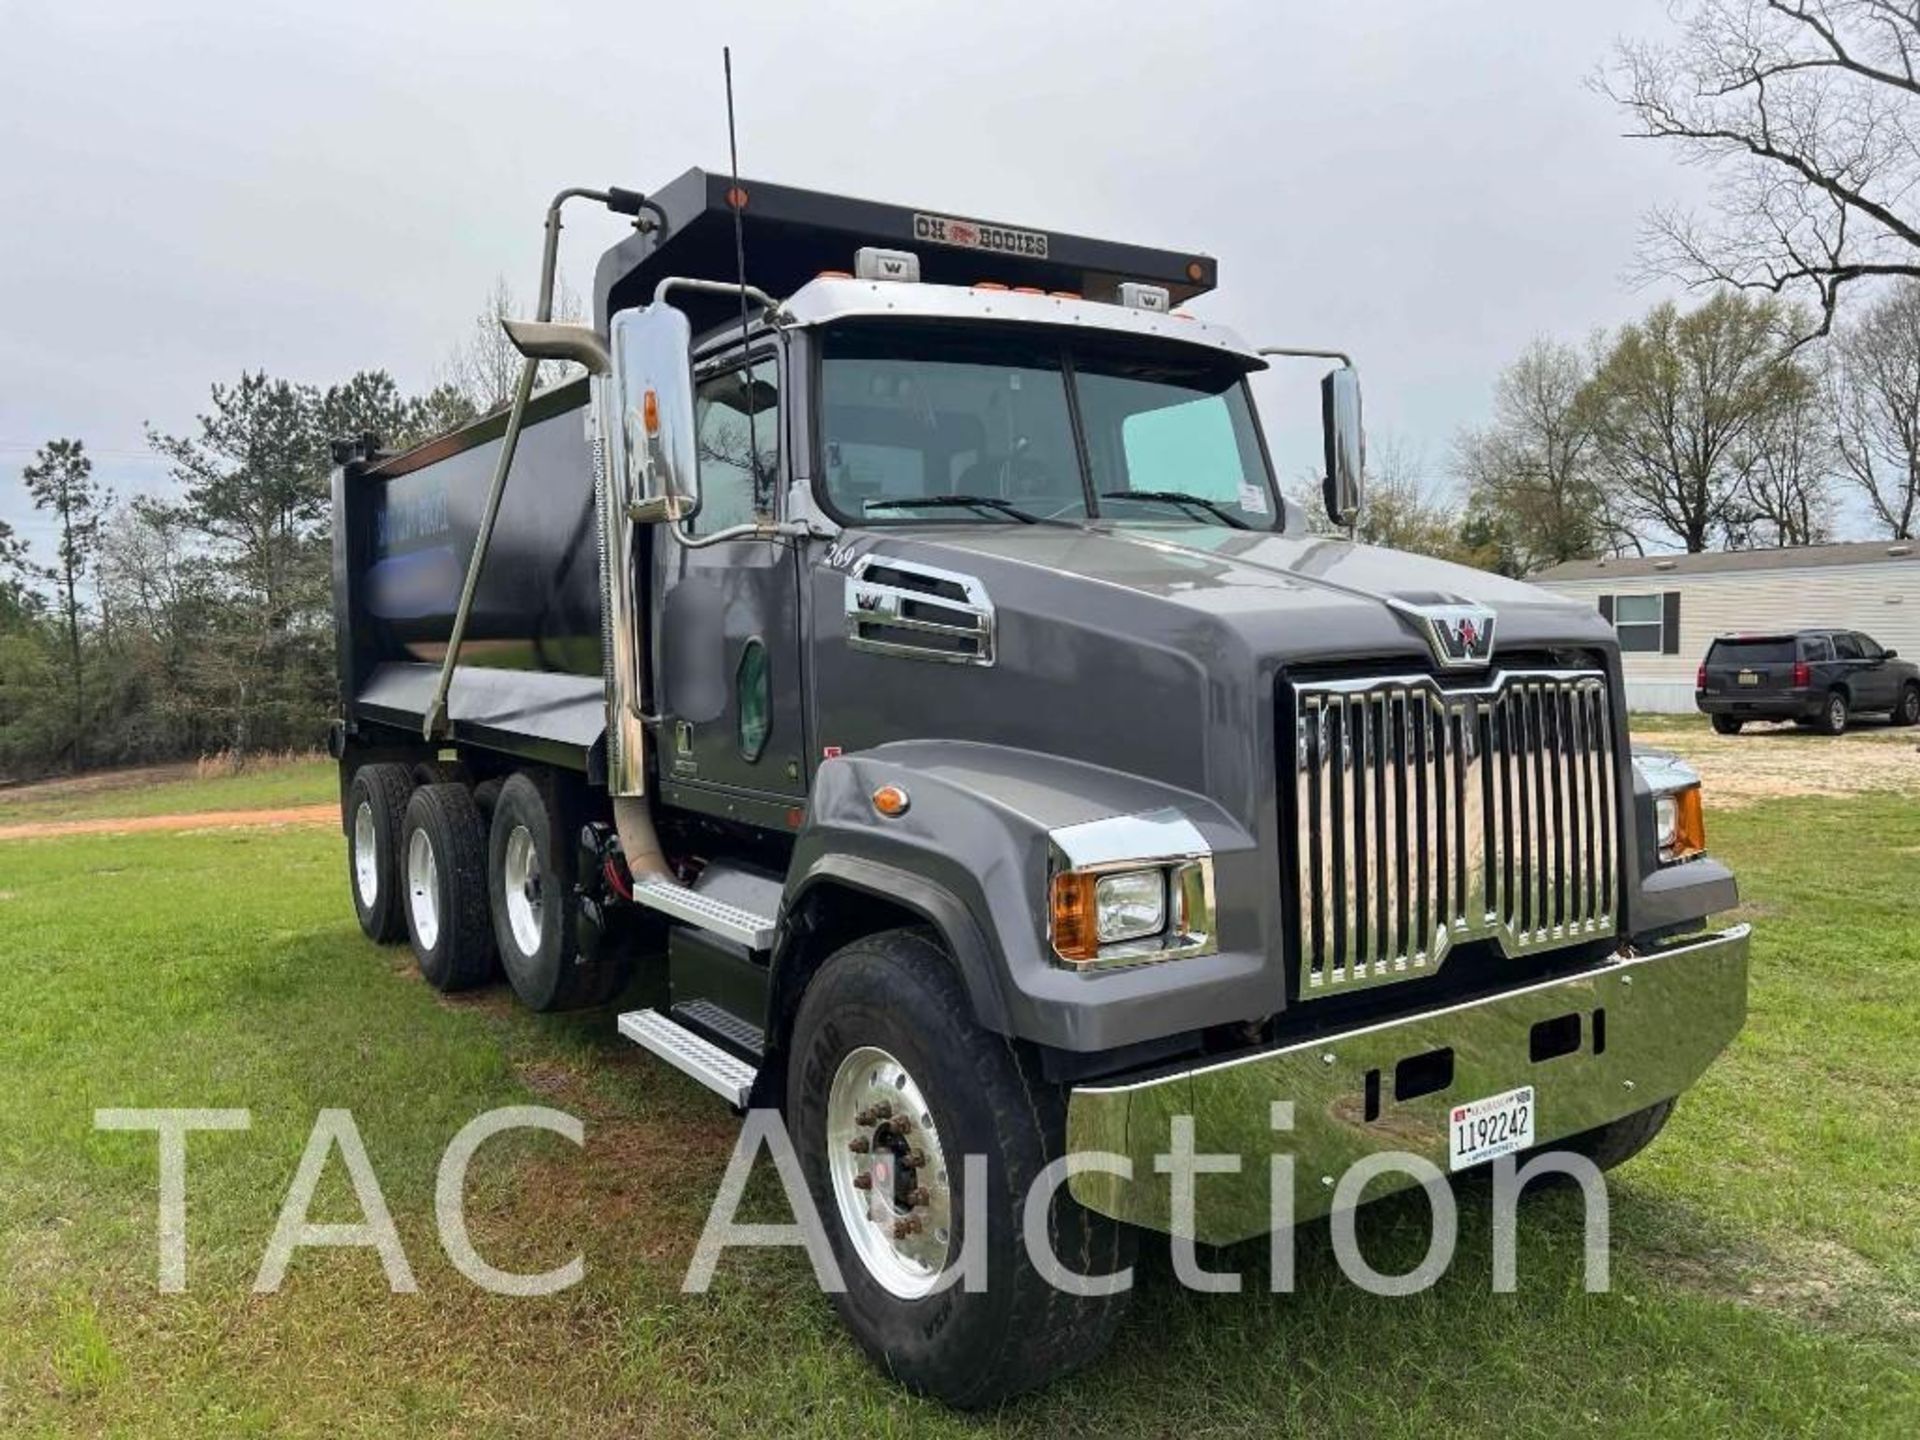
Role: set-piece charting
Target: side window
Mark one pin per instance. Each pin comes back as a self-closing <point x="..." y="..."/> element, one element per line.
<point x="737" y="430"/>
<point x="1869" y="647"/>
<point x="1847" y="647"/>
<point x="1816" y="649"/>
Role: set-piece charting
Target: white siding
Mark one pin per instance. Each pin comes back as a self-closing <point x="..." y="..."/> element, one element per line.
<point x="1882" y="600"/>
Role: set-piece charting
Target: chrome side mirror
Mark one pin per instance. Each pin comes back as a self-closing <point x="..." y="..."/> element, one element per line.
<point x="653" y="421"/>
<point x="1346" y="444"/>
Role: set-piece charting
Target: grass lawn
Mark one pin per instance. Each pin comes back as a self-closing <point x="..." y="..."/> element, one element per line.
<point x="1766" y="1278"/>
<point x="266" y="784"/>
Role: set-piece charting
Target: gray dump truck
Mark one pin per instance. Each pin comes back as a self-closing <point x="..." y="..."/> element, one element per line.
<point x="894" y="671"/>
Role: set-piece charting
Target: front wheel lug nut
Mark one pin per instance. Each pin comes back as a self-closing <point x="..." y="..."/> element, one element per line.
<point x="903" y="1228"/>
<point x="918" y="1196"/>
<point x="860" y="1145"/>
<point x="902" y="1126"/>
<point x="865" y="1117"/>
<point x="915" y="1160"/>
<point x="863" y="1182"/>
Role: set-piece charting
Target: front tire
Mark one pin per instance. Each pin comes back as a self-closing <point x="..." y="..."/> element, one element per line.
<point x="1833" y="715"/>
<point x="443" y="854"/>
<point x="1726" y="725"/>
<point x="376" y="810"/>
<point x="888" y="1014"/>
<point x="1620" y="1140"/>
<point x="530" y="890"/>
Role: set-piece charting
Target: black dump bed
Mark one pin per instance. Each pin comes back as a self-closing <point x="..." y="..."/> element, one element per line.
<point x="530" y="670"/>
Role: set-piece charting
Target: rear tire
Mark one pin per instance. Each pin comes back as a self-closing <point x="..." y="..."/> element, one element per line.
<point x="443" y="849"/>
<point x="892" y="1003"/>
<point x="530" y="865"/>
<point x="376" y="809"/>
<point x="1833" y="715"/>
<point x="1726" y="725"/>
<point x="1907" y="712"/>
<point x="1620" y="1140"/>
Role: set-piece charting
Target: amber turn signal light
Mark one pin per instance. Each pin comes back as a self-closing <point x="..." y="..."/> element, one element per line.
<point x="1076" y="929"/>
<point x="1689" y="823"/>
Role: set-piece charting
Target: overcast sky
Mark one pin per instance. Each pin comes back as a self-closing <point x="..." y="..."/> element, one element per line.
<point x="190" y="190"/>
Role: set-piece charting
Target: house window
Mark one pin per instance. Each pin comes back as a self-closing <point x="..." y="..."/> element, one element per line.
<point x="1645" y="624"/>
<point x="1638" y="621"/>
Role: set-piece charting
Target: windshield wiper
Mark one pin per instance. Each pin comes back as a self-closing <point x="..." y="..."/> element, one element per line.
<point x="1180" y="497"/>
<point x="942" y="502"/>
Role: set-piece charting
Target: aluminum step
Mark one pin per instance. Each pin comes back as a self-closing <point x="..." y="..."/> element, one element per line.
<point x="720" y="1071"/>
<point x="703" y="912"/>
<point x="706" y="1018"/>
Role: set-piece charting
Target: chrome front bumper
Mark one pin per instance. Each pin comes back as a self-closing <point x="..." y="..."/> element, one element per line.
<point x="1666" y="1016"/>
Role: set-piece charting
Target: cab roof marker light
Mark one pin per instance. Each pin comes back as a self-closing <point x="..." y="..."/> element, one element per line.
<point x="870" y="262"/>
<point x="1137" y="296"/>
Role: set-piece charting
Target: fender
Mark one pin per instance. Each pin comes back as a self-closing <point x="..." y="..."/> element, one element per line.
<point x="971" y="854"/>
<point x="973" y="953"/>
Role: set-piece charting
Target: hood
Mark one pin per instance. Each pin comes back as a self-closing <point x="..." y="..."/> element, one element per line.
<point x="1305" y="598"/>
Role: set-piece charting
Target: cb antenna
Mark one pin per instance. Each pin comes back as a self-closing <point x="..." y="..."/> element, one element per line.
<point x="736" y="202"/>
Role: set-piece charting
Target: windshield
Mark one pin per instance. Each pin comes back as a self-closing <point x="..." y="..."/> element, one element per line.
<point x="923" y="424"/>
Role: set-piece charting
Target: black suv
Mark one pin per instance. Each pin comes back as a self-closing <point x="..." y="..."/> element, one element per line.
<point x="1812" y="677"/>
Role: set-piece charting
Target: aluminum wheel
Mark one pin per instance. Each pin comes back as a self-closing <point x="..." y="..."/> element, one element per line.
<point x="520" y="878"/>
<point x="366" y="859"/>
<point x="889" y="1173"/>
<point x="423" y="889"/>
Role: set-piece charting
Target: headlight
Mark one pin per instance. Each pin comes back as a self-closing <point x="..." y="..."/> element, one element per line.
<point x="1130" y="905"/>
<point x="1666" y="820"/>
<point x="1679" y="821"/>
<point x="1680" y="825"/>
<point x="1129" y="890"/>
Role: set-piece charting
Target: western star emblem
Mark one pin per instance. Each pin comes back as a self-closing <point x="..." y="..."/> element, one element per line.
<point x="1461" y="636"/>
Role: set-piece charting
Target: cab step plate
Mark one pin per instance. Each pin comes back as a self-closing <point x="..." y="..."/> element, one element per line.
<point x="725" y="1074"/>
<point x="703" y="912"/>
<point x="721" y="1025"/>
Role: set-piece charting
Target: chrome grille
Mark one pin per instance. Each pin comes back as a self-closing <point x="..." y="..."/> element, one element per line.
<point x="1431" y="816"/>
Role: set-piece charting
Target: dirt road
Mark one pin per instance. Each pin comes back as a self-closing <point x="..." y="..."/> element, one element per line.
<point x="1765" y="763"/>
<point x="205" y="820"/>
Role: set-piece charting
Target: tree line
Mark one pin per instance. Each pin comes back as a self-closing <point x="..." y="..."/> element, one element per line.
<point x="152" y="628"/>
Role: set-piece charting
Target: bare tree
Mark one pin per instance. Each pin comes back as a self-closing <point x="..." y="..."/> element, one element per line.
<point x="484" y="368"/>
<point x="1789" y="468"/>
<point x="1805" y="110"/>
<point x="1679" y="402"/>
<point x="1874" y="391"/>
<point x="1533" y="488"/>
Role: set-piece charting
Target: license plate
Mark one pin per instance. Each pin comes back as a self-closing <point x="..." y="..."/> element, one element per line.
<point x="1498" y="1125"/>
<point x="1747" y="677"/>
